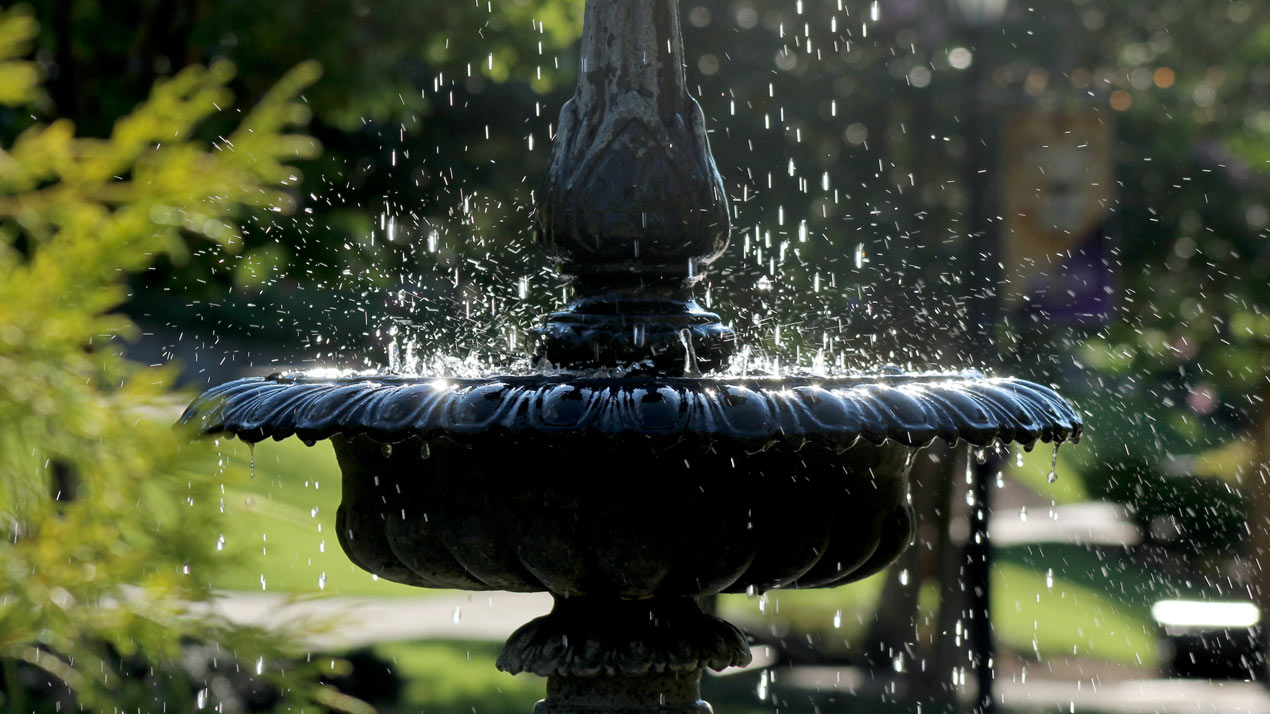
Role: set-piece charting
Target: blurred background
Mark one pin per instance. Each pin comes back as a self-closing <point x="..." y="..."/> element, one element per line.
<point x="1075" y="192"/>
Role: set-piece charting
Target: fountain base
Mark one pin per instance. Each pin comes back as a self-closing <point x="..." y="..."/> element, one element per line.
<point x="624" y="656"/>
<point x="670" y="693"/>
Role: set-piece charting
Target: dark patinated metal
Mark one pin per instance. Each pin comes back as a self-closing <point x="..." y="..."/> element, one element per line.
<point x="632" y="207"/>
<point x="630" y="499"/>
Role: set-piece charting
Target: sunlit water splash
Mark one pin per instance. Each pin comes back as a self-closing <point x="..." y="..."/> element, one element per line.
<point x="406" y="357"/>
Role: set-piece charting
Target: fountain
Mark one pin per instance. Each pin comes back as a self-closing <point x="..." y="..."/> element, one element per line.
<point x="630" y="498"/>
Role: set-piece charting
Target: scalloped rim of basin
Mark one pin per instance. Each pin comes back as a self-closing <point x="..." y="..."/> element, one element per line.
<point x="912" y="409"/>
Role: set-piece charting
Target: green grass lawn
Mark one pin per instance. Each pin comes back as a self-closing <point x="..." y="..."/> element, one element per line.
<point x="1097" y="607"/>
<point x="835" y="616"/>
<point x="449" y="677"/>
<point x="1068" y="619"/>
<point x="280" y="523"/>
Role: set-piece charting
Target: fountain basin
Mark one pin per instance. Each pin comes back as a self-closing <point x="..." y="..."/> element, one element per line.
<point x="630" y="488"/>
<point x="620" y="516"/>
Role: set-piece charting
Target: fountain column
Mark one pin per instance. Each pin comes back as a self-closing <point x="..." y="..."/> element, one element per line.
<point x="632" y="206"/>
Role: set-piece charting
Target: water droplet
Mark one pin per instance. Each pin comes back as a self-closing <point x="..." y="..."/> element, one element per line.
<point x="837" y="619"/>
<point x="425" y="451"/>
<point x="1054" y="465"/>
<point x="1049" y="579"/>
<point x="1018" y="457"/>
<point x="385" y="450"/>
<point x="457" y="616"/>
<point x="251" y="449"/>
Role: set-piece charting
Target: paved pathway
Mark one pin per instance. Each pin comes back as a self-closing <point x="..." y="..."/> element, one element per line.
<point x="358" y="621"/>
<point x="1138" y="696"/>
<point x="1157" y="696"/>
<point x="1093" y="523"/>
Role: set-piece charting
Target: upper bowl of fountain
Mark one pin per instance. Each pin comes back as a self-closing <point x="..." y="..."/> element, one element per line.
<point x="630" y="487"/>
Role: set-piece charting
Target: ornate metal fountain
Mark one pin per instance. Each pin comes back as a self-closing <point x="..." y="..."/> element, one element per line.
<point x="630" y="499"/>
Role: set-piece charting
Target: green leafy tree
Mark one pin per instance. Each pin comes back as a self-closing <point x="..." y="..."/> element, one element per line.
<point x="418" y="101"/>
<point x="107" y="544"/>
<point x="1194" y="338"/>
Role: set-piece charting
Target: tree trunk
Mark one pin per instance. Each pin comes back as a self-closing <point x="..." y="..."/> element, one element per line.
<point x="929" y="655"/>
<point x="63" y="87"/>
<point x="1257" y="488"/>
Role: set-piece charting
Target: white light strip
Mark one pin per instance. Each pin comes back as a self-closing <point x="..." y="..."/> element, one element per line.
<point x="1197" y="613"/>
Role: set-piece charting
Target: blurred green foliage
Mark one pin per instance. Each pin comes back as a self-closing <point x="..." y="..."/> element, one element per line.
<point x="1188" y="358"/>
<point x="413" y="113"/>
<point x="108" y="542"/>
<point x="1196" y="515"/>
<point x="1193" y="334"/>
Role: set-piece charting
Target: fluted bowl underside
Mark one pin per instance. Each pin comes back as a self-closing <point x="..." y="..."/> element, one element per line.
<point x="619" y="516"/>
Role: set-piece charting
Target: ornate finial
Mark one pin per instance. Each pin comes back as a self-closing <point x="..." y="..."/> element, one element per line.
<point x="632" y="206"/>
